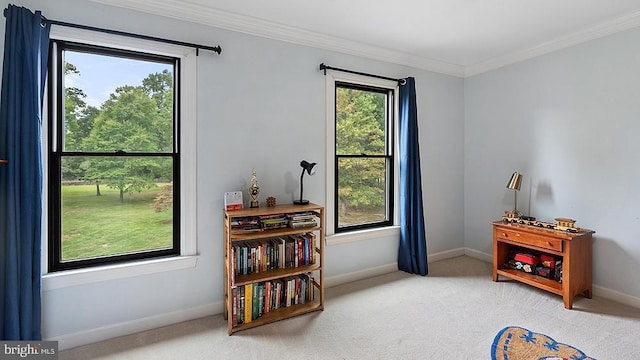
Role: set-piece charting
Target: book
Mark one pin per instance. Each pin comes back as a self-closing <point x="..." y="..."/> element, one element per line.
<point x="261" y="288"/>
<point x="243" y="224"/>
<point x="241" y="305"/>
<point x="305" y="215"/>
<point x="302" y="224"/>
<point x="267" y="296"/>
<point x="233" y="200"/>
<point x="313" y="248"/>
<point x="234" y="307"/>
<point x="255" y="307"/>
<point x="248" y="303"/>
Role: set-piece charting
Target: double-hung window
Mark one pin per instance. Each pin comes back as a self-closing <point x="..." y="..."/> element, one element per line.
<point x="361" y="156"/>
<point x="114" y="172"/>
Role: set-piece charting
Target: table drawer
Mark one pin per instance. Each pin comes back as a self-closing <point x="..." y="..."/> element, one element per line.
<point x="530" y="239"/>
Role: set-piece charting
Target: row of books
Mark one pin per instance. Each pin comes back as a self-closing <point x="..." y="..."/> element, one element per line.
<point x="302" y="219"/>
<point x="281" y="252"/>
<point x="273" y="221"/>
<point x="246" y="223"/>
<point x="250" y="302"/>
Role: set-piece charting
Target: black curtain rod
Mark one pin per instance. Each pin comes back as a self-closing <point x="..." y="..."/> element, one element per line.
<point x="216" y="49"/>
<point x="327" y="67"/>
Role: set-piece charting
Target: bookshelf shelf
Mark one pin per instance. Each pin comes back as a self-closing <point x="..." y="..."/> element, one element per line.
<point x="284" y="313"/>
<point x="282" y="269"/>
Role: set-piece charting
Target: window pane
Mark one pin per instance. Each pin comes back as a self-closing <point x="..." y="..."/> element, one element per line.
<point x="362" y="191"/>
<point x="360" y="122"/>
<point x="114" y="103"/>
<point x="122" y="205"/>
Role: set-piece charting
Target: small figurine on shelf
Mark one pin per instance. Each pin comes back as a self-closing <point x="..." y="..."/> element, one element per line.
<point x="271" y="201"/>
<point x="254" y="189"/>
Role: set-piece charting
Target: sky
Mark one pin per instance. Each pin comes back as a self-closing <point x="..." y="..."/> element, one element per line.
<point x="100" y="75"/>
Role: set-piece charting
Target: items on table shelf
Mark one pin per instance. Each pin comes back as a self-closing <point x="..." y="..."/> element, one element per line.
<point x="526" y="262"/>
<point x="543" y="265"/>
<point x="558" y="271"/>
<point x="562" y="224"/>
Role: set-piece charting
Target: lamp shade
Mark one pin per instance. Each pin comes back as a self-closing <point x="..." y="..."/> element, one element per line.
<point x="515" y="181"/>
<point x="310" y="167"/>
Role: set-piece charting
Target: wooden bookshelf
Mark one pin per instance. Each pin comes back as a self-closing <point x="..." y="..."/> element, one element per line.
<point x="312" y="273"/>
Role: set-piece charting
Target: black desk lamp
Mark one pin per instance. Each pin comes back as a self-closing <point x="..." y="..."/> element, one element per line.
<point x="311" y="169"/>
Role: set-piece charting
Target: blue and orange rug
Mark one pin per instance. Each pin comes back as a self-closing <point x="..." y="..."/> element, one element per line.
<point x="516" y="343"/>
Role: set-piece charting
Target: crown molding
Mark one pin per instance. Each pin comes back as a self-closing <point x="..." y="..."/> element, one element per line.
<point x="595" y="32"/>
<point x="205" y="15"/>
<point x="221" y="19"/>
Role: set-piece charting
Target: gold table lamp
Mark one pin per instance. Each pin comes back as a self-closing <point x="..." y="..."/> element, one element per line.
<point x="514" y="184"/>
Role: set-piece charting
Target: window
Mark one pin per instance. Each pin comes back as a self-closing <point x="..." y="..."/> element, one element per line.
<point x="114" y="168"/>
<point x="362" y="153"/>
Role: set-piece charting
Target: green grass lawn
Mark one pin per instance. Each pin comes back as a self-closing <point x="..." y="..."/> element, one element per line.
<point x="95" y="226"/>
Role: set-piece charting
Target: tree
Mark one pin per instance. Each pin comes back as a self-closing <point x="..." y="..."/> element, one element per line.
<point x="78" y="122"/>
<point x="159" y="87"/>
<point x="360" y="130"/>
<point x="126" y="123"/>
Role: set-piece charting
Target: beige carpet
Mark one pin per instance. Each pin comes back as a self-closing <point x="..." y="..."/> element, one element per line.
<point x="453" y="313"/>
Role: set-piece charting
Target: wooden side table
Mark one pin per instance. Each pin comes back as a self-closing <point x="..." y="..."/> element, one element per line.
<point x="574" y="249"/>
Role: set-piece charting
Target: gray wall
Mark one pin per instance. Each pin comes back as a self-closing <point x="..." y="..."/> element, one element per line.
<point x="261" y="104"/>
<point x="569" y="121"/>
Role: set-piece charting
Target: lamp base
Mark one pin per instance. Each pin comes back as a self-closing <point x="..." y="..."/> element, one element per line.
<point x="301" y="202"/>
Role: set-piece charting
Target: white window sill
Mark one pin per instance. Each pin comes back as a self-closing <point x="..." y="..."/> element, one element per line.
<point x="362" y="235"/>
<point x="62" y="279"/>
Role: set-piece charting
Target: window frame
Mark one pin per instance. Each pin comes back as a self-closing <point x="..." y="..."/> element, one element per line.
<point x="184" y="169"/>
<point x="360" y="231"/>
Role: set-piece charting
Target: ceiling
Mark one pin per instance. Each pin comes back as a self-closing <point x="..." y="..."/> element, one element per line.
<point x="455" y="37"/>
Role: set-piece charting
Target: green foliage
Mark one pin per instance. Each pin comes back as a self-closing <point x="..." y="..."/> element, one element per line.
<point x="133" y="119"/>
<point x="159" y="87"/>
<point x="78" y="122"/>
<point x="360" y="130"/>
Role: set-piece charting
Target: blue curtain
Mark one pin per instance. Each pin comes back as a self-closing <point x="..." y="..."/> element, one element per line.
<point x="412" y="255"/>
<point x="24" y="69"/>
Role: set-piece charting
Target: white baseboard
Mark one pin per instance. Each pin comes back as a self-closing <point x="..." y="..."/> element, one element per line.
<point x="90" y="336"/>
<point x="387" y="268"/>
<point x="360" y="275"/>
<point x="616" y="296"/>
<point x="444" y="255"/>
<point x="478" y="255"/>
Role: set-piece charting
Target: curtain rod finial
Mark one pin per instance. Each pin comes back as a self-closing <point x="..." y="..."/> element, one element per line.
<point x="323" y="67"/>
